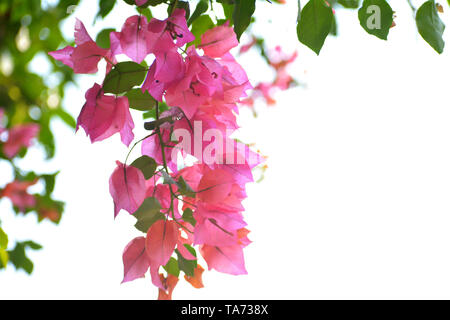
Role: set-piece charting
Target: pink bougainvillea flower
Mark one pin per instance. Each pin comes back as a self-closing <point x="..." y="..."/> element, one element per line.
<point x="160" y="244"/>
<point x="215" y="226"/>
<point x="17" y="192"/>
<point x="127" y="188"/>
<point x="215" y="186"/>
<point x="132" y="40"/>
<point x="135" y="260"/>
<point x="161" y="33"/>
<point x="161" y="241"/>
<point x="85" y="57"/>
<point x="103" y="116"/>
<point x="203" y="79"/>
<point x="226" y="259"/>
<point x="219" y="41"/>
<point x="19" y="137"/>
<point x="167" y="68"/>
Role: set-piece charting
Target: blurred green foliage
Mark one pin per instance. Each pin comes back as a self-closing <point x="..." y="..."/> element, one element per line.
<point x="29" y="29"/>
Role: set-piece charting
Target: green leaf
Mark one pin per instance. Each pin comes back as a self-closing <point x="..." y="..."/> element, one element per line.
<point x="106" y="7"/>
<point x="148" y="214"/>
<point x="124" y="77"/>
<point x="49" y="182"/>
<point x="147" y="165"/>
<point x="187" y="266"/>
<point x="376" y="17"/>
<point x="3" y="239"/>
<point x="18" y="257"/>
<point x="314" y="25"/>
<point x="349" y="4"/>
<point x="172" y="267"/>
<point x="103" y="39"/>
<point x="152" y="113"/>
<point x="201" y="8"/>
<point x="188" y="216"/>
<point x="185" y="189"/>
<point x="32" y="245"/>
<point x="430" y="26"/>
<point x="199" y="27"/>
<point x="4" y="258"/>
<point x="242" y="15"/>
<point x="67" y="118"/>
<point x="141" y="101"/>
<point x="228" y="10"/>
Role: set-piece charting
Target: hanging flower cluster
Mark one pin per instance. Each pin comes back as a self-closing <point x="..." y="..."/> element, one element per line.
<point x="187" y="189"/>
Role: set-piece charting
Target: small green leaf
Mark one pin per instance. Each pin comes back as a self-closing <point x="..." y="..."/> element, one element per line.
<point x="148" y="214"/>
<point x="32" y="245"/>
<point x="200" y="26"/>
<point x="3" y="239"/>
<point x="67" y="118"/>
<point x="18" y="257"/>
<point x="349" y="4"/>
<point x="376" y="17"/>
<point x="103" y="39"/>
<point x="185" y="189"/>
<point x="187" y="266"/>
<point x="124" y="77"/>
<point x="141" y="101"/>
<point x="49" y="182"/>
<point x="172" y="267"/>
<point x="242" y="15"/>
<point x="188" y="216"/>
<point x="106" y="7"/>
<point x="201" y="8"/>
<point x="147" y="165"/>
<point x="430" y="26"/>
<point x="314" y="25"/>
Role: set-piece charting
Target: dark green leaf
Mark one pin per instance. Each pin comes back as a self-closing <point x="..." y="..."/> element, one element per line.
<point x="188" y="216"/>
<point x="172" y="267"/>
<point x="315" y="23"/>
<point x="124" y="77"/>
<point x="103" y="39"/>
<point x="147" y="165"/>
<point x="201" y="8"/>
<point x="242" y="15"/>
<point x="185" y="189"/>
<point x="148" y="214"/>
<point x="187" y="266"/>
<point x="376" y="17"/>
<point x="106" y="7"/>
<point x="18" y="257"/>
<point x="430" y="26"/>
<point x="49" y="182"/>
<point x="139" y="100"/>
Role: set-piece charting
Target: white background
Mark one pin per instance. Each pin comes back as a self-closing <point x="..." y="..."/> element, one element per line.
<point x="355" y="204"/>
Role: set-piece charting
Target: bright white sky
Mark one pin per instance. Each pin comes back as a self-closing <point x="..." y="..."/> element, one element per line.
<point x="355" y="204"/>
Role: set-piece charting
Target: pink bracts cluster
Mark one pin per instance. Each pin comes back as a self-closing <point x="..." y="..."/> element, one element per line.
<point x="197" y="205"/>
